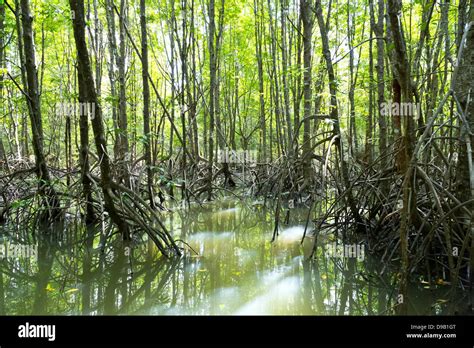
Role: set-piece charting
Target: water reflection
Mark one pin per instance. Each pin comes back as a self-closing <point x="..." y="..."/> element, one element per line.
<point x="230" y="268"/>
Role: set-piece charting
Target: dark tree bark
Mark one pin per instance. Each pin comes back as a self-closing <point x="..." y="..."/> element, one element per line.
<point x="307" y="19"/>
<point x="213" y="45"/>
<point x="221" y="141"/>
<point x="284" y="75"/>
<point x="258" y="12"/>
<point x="464" y="93"/>
<point x="84" y="155"/>
<point x="85" y="77"/>
<point x="379" y="33"/>
<point x="275" y="86"/>
<point x="122" y="153"/>
<point x="212" y="90"/>
<point x="112" y="45"/>
<point x="403" y="89"/>
<point x="146" y="103"/>
<point x="3" y="155"/>
<point x="24" y="149"/>
<point x="462" y="11"/>
<point x="45" y="187"/>
<point x="352" y="82"/>
<point x="369" y="132"/>
<point x="192" y="92"/>
<point x="334" y="114"/>
<point x="173" y="27"/>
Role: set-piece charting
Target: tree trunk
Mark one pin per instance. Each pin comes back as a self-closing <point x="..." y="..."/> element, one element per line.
<point x="261" y="90"/>
<point x="192" y="93"/>
<point x="228" y="181"/>
<point x="45" y="187"/>
<point x="352" y="82"/>
<point x="379" y="33"/>
<point x="122" y="147"/>
<point x="306" y="17"/>
<point x="21" y="150"/>
<point x="84" y="154"/>
<point x="3" y="155"/>
<point x="369" y="133"/>
<point x="403" y="90"/>
<point x="112" y="44"/>
<point x="334" y="115"/>
<point x="286" y="88"/>
<point x="85" y="77"/>
<point x="275" y="87"/>
<point x="464" y="92"/>
<point x="212" y="91"/>
<point x="146" y="103"/>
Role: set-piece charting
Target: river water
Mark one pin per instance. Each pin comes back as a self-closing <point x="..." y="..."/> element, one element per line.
<point x="230" y="267"/>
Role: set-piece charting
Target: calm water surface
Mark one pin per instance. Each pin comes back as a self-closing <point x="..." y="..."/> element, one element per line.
<point x="231" y="267"/>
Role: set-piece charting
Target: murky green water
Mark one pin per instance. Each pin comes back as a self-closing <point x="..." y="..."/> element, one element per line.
<point x="231" y="268"/>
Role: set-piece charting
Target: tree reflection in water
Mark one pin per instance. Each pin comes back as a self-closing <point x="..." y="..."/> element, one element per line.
<point x="230" y="267"/>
